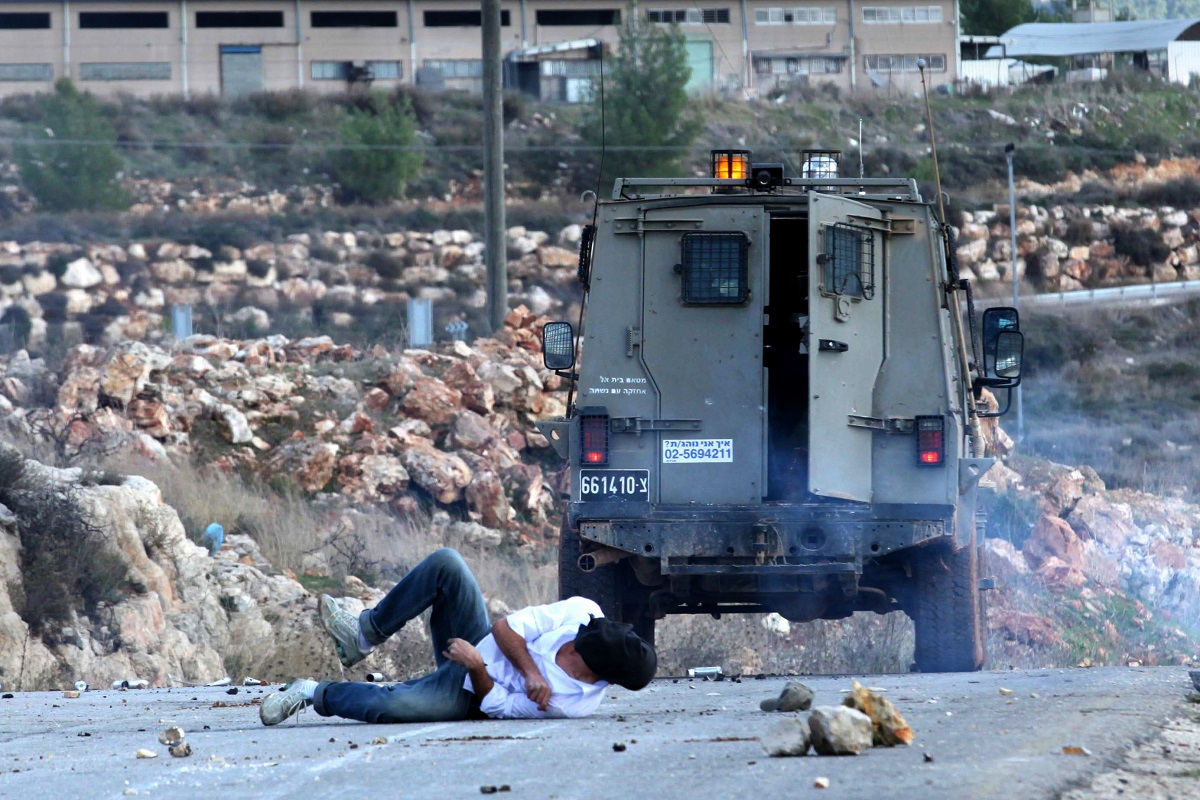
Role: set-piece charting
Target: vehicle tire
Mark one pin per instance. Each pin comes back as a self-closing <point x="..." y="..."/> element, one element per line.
<point x="613" y="587"/>
<point x="948" y="611"/>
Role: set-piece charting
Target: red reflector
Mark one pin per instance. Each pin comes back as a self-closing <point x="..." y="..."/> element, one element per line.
<point x="593" y="434"/>
<point x="931" y="443"/>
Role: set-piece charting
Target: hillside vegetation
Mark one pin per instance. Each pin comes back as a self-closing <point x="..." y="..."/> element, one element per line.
<point x="292" y="141"/>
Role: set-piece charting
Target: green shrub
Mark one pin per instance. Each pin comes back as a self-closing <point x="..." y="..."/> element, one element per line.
<point x="1142" y="246"/>
<point x="1079" y="232"/>
<point x="377" y="160"/>
<point x="57" y="262"/>
<point x="386" y="265"/>
<point x="278" y="106"/>
<point x="258" y="268"/>
<point x="75" y="163"/>
<point x="1179" y="193"/>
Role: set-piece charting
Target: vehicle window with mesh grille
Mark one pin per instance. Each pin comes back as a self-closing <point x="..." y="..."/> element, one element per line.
<point x="714" y="267"/>
<point x="849" y="261"/>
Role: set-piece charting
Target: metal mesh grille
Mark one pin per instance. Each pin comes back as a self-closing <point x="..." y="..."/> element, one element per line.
<point x="558" y="345"/>
<point x="850" y="261"/>
<point x="714" y="268"/>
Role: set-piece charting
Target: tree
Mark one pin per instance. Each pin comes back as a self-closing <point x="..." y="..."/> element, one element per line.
<point x="75" y="164"/>
<point x="642" y="103"/>
<point x="376" y="162"/>
<point x="994" y="17"/>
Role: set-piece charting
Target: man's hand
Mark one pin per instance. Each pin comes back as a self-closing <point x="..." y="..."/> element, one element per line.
<point x="460" y="651"/>
<point x="537" y="690"/>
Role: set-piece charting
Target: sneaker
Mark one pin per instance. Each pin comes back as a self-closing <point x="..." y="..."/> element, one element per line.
<point x="342" y="627"/>
<point x="281" y="705"/>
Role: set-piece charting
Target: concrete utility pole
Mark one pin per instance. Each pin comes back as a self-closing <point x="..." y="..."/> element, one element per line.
<point x="493" y="168"/>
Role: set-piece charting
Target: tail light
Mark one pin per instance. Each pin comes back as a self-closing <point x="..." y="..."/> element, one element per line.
<point x="593" y="435"/>
<point x="931" y="441"/>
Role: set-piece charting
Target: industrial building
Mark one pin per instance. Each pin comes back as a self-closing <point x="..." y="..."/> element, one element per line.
<point x="552" y="48"/>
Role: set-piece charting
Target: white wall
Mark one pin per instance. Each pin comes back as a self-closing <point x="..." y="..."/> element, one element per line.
<point x="1183" y="61"/>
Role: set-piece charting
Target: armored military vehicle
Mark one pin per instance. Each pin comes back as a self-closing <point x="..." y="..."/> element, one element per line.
<point x="777" y="404"/>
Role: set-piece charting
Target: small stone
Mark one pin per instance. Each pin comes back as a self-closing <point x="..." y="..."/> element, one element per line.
<point x="181" y="750"/>
<point x="144" y="753"/>
<point x="1005" y="692"/>
<point x="839" y="730"/>
<point x="889" y="728"/>
<point x="71" y="695"/>
<point x="927" y="758"/>
<point x="618" y="747"/>
<point x="791" y="737"/>
<point x="795" y="697"/>
<point x="380" y="740"/>
<point x="171" y="736"/>
<point x="130" y="792"/>
<point x="1194" y="674"/>
<point x="821" y="783"/>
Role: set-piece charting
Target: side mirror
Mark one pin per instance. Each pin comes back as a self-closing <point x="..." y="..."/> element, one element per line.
<point x="558" y="345"/>
<point x="1010" y="347"/>
<point x="996" y="321"/>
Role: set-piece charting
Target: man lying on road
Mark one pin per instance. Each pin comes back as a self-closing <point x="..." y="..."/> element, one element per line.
<point x="543" y="661"/>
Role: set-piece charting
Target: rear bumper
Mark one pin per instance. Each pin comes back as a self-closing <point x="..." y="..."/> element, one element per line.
<point x="794" y="539"/>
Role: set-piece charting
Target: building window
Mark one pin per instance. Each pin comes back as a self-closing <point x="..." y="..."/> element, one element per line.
<point x="239" y="19"/>
<point x="588" y="17"/>
<point x="353" y="19"/>
<point x="795" y="16"/>
<point x="898" y="14"/>
<point x="122" y="19"/>
<point x="458" y="68"/>
<point x="24" y="21"/>
<point x="904" y="63"/>
<point x="127" y="71"/>
<point x="26" y="72"/>
<point x="797" y="65"/>
<point x="460" y="19"/>
<point x="344" y="70"/>
<point x="689" y="16"/>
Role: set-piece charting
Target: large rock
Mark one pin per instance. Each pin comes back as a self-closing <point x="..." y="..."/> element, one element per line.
<point x="443" y="475"/>
<point x="310" y="463"/>
<point x="128" y="369"/>
<point x="839" y="731"/>
<point x="1107" y="522"/>
<point x="81" y="274"/>
<point x="1052" y="537"/>
<point x="432" y="401"/>
<point x="232" y="424"/>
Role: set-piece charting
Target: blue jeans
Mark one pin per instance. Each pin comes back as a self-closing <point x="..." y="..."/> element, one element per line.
<point x="444" y="583"/>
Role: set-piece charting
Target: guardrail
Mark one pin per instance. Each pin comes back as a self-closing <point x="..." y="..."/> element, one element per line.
<point x="1143" y="292"/>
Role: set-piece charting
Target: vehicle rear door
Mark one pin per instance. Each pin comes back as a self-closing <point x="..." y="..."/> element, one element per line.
<point x="702" y="328"/>
<point x="845" y="341"/>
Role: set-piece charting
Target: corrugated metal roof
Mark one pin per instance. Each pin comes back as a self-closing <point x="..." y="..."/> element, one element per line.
<point x="1079" y="38"/>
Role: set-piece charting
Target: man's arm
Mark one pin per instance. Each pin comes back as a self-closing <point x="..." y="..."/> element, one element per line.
<point x="516" y="650"/>
<point x="463" y="652"/>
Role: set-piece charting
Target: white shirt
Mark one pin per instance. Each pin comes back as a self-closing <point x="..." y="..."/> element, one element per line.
<point x="545" y="629"/>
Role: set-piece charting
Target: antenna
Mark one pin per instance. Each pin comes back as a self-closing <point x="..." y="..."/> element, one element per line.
<point x="937" y="175"/>
<point x="861" y="172"/>
<point x="588" y="242"/>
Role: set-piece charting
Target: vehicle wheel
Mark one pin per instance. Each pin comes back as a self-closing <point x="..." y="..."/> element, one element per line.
<point x="948" y="612"/>
<point x="613" y="587"/>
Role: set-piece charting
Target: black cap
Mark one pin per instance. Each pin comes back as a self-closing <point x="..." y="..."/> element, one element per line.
<point x="615" y="653"/>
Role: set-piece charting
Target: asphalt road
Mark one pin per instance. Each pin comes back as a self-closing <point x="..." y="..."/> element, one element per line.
<point x="683" y="739"/>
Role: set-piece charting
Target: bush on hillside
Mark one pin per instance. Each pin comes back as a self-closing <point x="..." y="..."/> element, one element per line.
<point x="75" y="164"/>
<point x="1142" y="246"/>
<point x="376" y="160"/>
